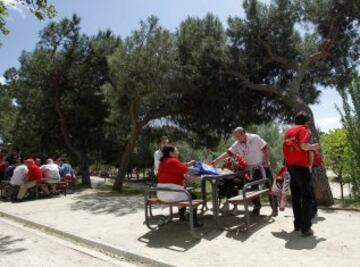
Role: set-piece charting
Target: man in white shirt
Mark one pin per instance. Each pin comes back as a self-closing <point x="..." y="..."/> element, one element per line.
<point x="164" y="141"/>
<point x="51" y="174"/>
<point x="255" y="151"/>
<point x="19" y="175"/>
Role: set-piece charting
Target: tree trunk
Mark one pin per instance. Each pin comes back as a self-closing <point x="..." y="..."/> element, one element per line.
<point x="342" y="190"/>
<point x="84" y="170"/>
<point x="133" y="136"/>
<point x="321" y="183"/>
<point x="84" y="163"/>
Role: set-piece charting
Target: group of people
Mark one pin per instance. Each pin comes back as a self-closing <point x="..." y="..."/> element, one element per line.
<point x="300" y="157"/>
<point x="26" y="174"/>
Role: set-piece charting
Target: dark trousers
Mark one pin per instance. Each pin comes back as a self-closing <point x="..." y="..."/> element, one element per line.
<point x="302" y="196"/>
<point x="314" y="201"/>
<point x="183" y="209"/>
<point x="257" y="176"/>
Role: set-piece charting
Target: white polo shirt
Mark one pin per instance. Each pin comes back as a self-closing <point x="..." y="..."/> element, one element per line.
<point x="252" y="150"/>
<point x="51" y="171"/>
<point x="157" y="156"/>
<point x="19" y="174"/>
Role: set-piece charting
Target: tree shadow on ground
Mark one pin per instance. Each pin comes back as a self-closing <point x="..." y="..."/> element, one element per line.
<point x="108" y="202"/>
<point x="6" y="243"/>
<point x="236" y="227"/>
<point x="176" y="236"/>
<point x="295" y="241"/>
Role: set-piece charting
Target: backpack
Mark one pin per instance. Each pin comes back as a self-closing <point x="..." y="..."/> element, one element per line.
<point x="291" y="150"/>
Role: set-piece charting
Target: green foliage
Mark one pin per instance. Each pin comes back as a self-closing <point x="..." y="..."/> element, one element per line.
<point x="139" y="70"/>
<point x="351" y="121"/>
<point x="40" y="8"/>
<point x="337" y="154"/>
<point x="68" y="68"/>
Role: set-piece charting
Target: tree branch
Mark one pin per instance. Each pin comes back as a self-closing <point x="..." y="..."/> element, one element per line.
<point x="278" y="59"/>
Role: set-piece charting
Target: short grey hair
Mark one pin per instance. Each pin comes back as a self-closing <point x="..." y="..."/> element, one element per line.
<point x="49" y="161"/>
<point x="239" y="130"/>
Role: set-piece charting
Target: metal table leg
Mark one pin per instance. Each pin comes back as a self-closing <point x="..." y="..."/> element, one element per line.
<point x="203" y="195"/>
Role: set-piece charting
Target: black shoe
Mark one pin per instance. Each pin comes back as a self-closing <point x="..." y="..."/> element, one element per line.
<point x="275" y="213"/>
<point x="308" y="233"/>
<point x="296" y="229"/>
<point x="198" y="225"/>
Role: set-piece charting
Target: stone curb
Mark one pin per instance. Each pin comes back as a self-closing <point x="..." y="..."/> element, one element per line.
<point x="102" y="247"/>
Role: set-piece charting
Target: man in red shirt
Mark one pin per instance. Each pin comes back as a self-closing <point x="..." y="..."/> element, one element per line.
<point x="295" y="148"/>
<point x="34" y="175"/>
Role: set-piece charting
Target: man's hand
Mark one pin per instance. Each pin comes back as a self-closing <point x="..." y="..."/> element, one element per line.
<point x="214" y="162"/>
<point x="316" y="146"/>
<point x="191" y="163"/>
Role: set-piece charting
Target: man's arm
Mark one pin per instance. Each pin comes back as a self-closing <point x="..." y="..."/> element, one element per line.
<point x="266" y="153"/>
<point x="222" y="157"/>
<point x="309" y="147"/>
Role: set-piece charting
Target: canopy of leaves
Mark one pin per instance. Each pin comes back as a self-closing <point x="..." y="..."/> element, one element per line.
<point x="337" y="153"/>
<point x="351" y="121"/>
<point x="40" y="8"/>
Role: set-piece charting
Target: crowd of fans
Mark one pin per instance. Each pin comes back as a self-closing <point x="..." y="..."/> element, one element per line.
<point x="22" y="175"/>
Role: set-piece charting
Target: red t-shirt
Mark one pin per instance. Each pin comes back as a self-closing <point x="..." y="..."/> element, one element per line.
<point x="317" y="158"/>
<point x="34" y="173"/>
<point x="171" y="171"/>
<point x="294" y="155"/>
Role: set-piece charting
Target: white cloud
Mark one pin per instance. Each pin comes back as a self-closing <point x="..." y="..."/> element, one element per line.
<point x="328" y="123"/>
<point x="16" y="6"/>
<point x="2" y="80"/>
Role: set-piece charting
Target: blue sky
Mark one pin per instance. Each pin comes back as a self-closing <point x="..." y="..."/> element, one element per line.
<point x="122" y="16"/>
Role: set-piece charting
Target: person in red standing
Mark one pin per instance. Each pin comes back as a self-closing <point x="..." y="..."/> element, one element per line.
<point x="296" y="149"/>
<point x="172" y="173"/>
<point x="34" y="175"/>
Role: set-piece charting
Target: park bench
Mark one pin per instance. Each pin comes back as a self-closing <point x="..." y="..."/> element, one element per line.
<point x="152" y="200"/>
<point x="248" y="194"/>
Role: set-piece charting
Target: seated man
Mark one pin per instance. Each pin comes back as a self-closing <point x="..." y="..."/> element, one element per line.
<point x="18" y="177"/>
<point x="66" y="171"/>
<point x="33" y="176"/>
<point x="51" y="174"/>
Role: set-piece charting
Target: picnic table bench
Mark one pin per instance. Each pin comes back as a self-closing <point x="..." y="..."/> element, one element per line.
<point x="247" y="195"/>
<point x="151" y="200"/>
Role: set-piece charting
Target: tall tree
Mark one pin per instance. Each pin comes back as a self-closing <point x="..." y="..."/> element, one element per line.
<point x="139" y="71"/>
<point x="207" y="101"/>
<point x="351" y="121"/>
<point x="269" y="55"/>
<point x="58" y="89"/>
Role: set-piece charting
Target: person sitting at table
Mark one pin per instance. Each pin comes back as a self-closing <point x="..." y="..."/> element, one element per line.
<point x="51" y="174"/>
<point x="66" y="171"/>
<point x="256" y="153"/>
<point x="172" y="173"/>
<point x="2" y="164"/>
<point x="18" y="177"/>
<point x="33" y="176"/>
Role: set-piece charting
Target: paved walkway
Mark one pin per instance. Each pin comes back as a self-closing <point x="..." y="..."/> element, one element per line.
<point x="23" y="247"/>
<point x="117" y="220"/>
